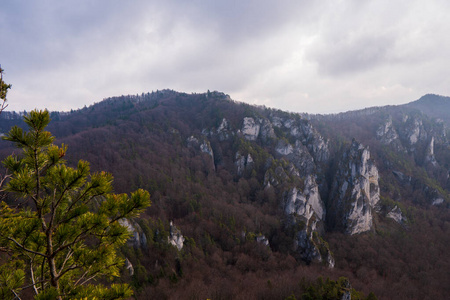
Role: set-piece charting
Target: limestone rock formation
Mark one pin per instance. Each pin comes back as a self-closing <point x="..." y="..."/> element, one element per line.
<point x="397" y="215"/>
<point x="224" y="131"/>
<point x="138" y="238"/>
<point x="129" y="267"/>
<point x="302" y="203"/>
<point x="388" y="135"/>
<point x="355" y="191"/>
<point x="413" y="131"/>
<point x="250" y="129"/>
<point x="261" y="239"/>
<point x="304" y="132"/>
<point x="203" y="145"/>
<point x="429" y="156"/>
<point x="243" y="163"/>
<point x="175" y="238"/>
<point x="266" y="131"/>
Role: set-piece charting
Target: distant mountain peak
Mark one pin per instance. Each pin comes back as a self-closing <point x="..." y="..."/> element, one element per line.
<point x="434" y="98"/>
<point x="435" y="106"/>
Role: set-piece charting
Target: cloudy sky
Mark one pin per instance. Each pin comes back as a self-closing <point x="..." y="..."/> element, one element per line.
<point x="304" y="56"/>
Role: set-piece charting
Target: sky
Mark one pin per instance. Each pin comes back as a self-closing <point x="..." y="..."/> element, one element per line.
<point x="325" y="56"/>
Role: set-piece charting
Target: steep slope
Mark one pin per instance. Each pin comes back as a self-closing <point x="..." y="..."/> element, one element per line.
<point x="355" y="191"/>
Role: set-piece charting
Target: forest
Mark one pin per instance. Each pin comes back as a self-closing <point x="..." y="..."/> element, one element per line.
<point x="237" y="241"/>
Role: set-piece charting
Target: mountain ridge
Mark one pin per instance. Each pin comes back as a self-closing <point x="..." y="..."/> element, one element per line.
<point x="254" y="184"/>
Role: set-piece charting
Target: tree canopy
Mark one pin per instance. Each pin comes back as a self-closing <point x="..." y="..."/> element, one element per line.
<point x="62" y="232"/>
<point x="4" y="87"/>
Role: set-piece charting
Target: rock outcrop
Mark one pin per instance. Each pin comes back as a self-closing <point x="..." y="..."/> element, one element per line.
<point x="224" y="131"/>
<point x="175" y="238"/>
<point x="429" y="156"/>
<point x="431" y="194"/>
<point x="305" y="203"/>
<point x="243" y="163"/>
<point x="138" y="238"/>
<point x="355" y="191"/>
<point x="397" y="215"/>
<point x="387" y="135"/>
<point x="267" y="132"/>
<point x="129" y="267"/>
<point x="302" y="203"/>
<point x="261" y="239"/>
<point x="295" y="161"/>
<point x="250" y="129"/>
<point x="304" y="132"/>
<point x="204" y="146"/>
<point x="413" y="131"/>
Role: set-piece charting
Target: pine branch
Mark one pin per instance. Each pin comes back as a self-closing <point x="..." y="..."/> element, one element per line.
<point x="82" y="276"/>
<point x="71" y="268"/>
<point x="24" y="248"/>
<point x="68" y="256"/>
<point x="79" y="237"/>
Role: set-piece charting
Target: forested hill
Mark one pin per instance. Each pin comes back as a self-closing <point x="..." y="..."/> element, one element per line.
<point x="251" y="202"/>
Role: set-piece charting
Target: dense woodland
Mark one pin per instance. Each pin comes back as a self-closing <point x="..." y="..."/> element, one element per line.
<point x="142" y="141"/>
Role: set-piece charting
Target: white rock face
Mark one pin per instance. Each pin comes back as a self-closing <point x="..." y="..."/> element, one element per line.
<point x="129" y="267"/>
<point x="316" y="144"/>
<point x="243" y="163"/>
<point x="224" y="130"/>
<point x="138" y="238"/>
<point x="397" y="215"/>
<point x="192" y="140"/>
<point x="305" y="133"/>
<point x="284" y="148"/>
<point x="305" y="203"/>
<point x="413" y="131"/>
<point x="330" y="261"/>
<point x="240" y="163"/>
<point x="274" y="178"/>
<point x="250" y="129"/>
<point x="277" y="121"/>
<point x="175" y="237"/>
<point x="387" y="134"/>
<point x="320" y="149"/>
<point x="304" y="206"/>
<point x="266" y="131"/>
<point x="414" y="135"/>
<point x="437" y="201"/>
<point x="430" y="153"/>
<point x="356" y="190"/>
<point x="262" y="240"/>
<point x="204" y="146"/>
<point x="223" y="126"/>
<point x="302" y="202"/>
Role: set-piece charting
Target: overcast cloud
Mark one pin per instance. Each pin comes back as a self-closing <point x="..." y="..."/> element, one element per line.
<point x="302" y="56"/>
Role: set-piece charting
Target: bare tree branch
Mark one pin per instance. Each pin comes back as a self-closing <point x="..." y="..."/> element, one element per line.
<point x="32" y="277"/>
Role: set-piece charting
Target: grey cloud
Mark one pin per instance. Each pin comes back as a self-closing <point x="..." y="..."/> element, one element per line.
<point x="352" y="54"/>
<point x="295" y="55"/>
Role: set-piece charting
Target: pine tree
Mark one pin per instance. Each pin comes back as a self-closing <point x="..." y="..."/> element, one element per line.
<point x="3" y="91"/>
<point x="63" y="232"/>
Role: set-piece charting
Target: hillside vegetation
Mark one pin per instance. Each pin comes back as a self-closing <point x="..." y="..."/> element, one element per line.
<point x="257" y="203"/>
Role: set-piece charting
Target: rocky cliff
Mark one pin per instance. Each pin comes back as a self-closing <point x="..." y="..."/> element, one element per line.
<point x="355" y="191"/>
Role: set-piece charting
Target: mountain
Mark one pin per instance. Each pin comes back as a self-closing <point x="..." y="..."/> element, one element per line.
<point x="252" y="202"/>
<point x="434" y="106"/>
